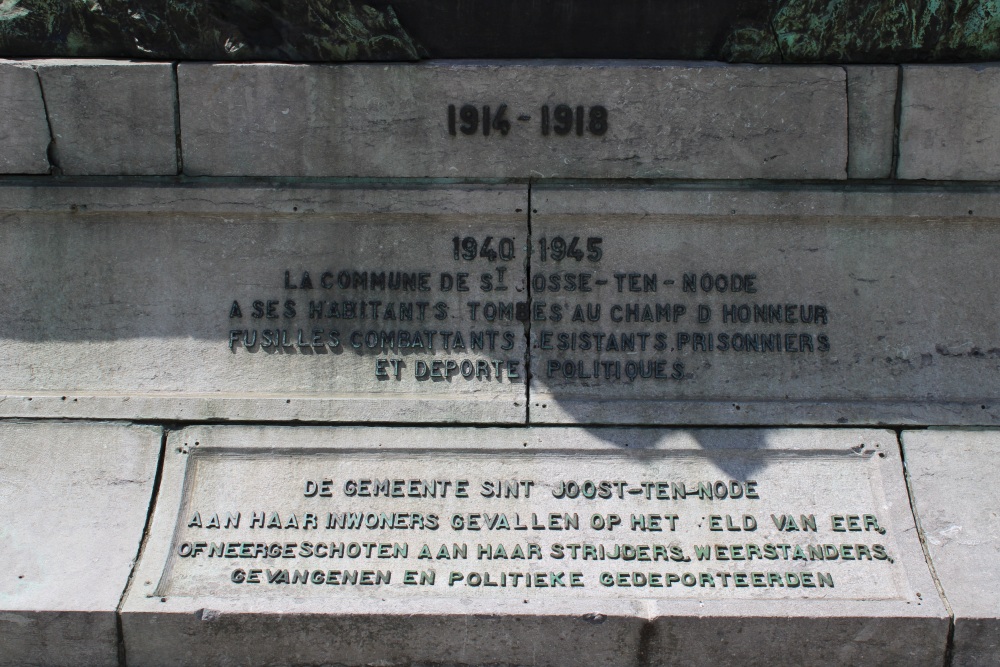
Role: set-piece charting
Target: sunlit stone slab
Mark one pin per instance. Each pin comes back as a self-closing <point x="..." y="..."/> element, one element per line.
<point x="953" y="476"/>
<point x="264" y="302"/>
<point x="75" y="499"/>
<point x="687" y="305"/>
<point x="600" y="119"/>
<point x="560" y="546"/>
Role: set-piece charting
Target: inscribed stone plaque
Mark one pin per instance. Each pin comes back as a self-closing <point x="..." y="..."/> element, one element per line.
<point x="340" y="528"/>
<point x="74" y="499"/>
<point x="330" y="303"/>
<point x="696" y="305"/>
<point x="520" y="120"/>
<point x="953" y="476"/>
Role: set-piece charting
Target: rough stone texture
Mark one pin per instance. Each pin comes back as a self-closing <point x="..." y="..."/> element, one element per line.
<point x="910" y="324"/>
<point x="187" y="605"/>
<point x="74" y="498"/>
<point x="24" y="132"/>
<point x="129" y="308"/>
<point x="947" y="123"/>
<point x="111" y="117"/>
<point x="695" y="120"/>
<point x="871" y="105"/>
<point x="953" y="480"/>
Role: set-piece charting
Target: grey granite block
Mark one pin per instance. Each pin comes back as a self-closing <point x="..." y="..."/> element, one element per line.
<point x="24" y="131"/>
<point x="398" y="546"/>
<point x="693" y="305"/>
<point x="604" y="119"/>
<point x="273" y="302"/>
<point x="871" y="105"/>
<point x="948" y="120"/>
<point x="111" y="117"/>
<point x="953" y="477"/>
<point x="75" y="498"/>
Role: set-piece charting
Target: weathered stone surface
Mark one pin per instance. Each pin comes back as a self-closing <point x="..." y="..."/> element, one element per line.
<point x="831" y="504"/>
<point x="625" y="120"/>
<point x="871" y="105"/>
<point x="24" y="132"/>
<point x="869" y="306"/>
<point x="191" y="302"/>
<point x="111" y="117"/>
<point x="953" y="479"/>
<point x="74" y="498"/>
<point x="947" y="122"/>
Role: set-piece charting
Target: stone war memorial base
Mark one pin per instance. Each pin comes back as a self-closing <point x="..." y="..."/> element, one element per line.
<point x="464" y="363"/>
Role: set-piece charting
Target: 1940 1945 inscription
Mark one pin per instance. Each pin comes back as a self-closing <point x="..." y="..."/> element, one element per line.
<point x="391" y="313"/>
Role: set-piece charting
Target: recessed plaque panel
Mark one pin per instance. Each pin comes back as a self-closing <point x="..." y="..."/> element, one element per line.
<point x="353" y="521"/>
<point x="692" y="305"/>
<point x="323" y="303"/>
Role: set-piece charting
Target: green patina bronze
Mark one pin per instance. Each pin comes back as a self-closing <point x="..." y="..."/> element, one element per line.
<point x="843" y="31"/>
<point x="766" y="31"/>
<point x="307" y="30"/>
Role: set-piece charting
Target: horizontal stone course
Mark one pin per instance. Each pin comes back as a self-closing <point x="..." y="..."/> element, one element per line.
<point x="24" y="130"/>
<point x="74" y="499"/>
<point x="617" y="120"/>
<point x="664" y="120"/>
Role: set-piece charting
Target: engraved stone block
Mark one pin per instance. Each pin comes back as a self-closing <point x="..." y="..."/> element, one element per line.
<point x="591" y="120"/>
<point x="948" y="120"/>
<point x="560" y="546"/>
<point x="111" y="116"/>
<point x="74" y="499"/>
<point x="24" y="132"/>
<point x="698" y="305"/>
<point x="953" y="477"/>
<point x="871" y="104"/>
<point x="268" y="302"/>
